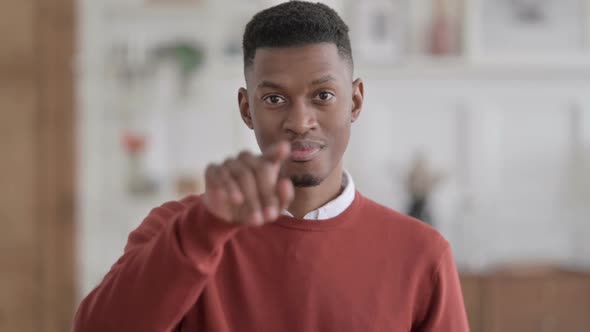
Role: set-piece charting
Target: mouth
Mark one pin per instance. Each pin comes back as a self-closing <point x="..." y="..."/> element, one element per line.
<point x="302" y="151"/>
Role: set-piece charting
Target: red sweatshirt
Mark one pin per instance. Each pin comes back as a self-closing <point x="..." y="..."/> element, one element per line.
<point x="368" y="269"/>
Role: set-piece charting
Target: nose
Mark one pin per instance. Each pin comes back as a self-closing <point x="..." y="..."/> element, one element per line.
<point x="300" y="118"/>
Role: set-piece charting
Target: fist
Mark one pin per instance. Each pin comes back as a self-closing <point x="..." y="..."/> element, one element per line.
<point x="247" y="189"/>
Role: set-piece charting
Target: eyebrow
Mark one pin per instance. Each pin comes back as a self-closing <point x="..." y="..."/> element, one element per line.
<point x="269" y="84"/>
<point x="323" y="80"/>
<point x="273" y="85"/>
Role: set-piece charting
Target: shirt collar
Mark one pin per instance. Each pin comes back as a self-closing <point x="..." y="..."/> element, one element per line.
<point x="336" y="206"/>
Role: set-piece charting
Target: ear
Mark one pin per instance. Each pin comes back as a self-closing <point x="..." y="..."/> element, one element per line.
<point x="245" y="108"/>
<point x="358" y="94"/>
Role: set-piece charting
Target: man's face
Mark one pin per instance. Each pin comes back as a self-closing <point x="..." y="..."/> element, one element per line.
<point x="304" y="95"/>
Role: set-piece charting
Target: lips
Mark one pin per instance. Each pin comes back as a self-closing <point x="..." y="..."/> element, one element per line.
<point x="302" y="151"/>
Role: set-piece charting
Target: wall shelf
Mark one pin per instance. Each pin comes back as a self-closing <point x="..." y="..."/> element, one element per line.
<point x="420" y="101"/>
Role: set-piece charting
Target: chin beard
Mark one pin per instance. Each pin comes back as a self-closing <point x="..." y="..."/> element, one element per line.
<point x="305" y="180"/>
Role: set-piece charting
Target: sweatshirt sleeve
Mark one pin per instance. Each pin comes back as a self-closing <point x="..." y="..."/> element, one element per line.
<point x="165" y="266"/>
<point x="446" y="310"/>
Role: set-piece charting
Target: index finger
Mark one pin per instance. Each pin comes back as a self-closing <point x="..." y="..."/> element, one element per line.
<point x="277" y="152"/>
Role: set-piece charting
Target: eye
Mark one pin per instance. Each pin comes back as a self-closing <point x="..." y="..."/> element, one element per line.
<point x="325" y="96"/>
<point x="274" y="99"/>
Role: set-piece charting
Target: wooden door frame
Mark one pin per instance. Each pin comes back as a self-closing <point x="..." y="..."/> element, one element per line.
<point x="56" y="171"/>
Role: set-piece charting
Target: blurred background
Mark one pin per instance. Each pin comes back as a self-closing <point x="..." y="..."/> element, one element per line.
<point x="476" y="121"/>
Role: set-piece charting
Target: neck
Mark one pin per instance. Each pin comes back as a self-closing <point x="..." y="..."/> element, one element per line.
<point x="311" y="198"/>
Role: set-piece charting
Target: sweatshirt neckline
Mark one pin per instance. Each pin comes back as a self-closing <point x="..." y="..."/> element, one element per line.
<point x="347" y="217"/>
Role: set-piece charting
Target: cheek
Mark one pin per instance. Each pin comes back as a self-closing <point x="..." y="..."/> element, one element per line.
<point x="339" y="131"/>
<point x="266" y="128"/>
<point x="338" y="119"/>
<point x="342" y="138"/>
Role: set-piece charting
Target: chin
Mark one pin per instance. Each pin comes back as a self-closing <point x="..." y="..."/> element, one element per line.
<point x="305" y="180"/>
<point x="304" y="174"/>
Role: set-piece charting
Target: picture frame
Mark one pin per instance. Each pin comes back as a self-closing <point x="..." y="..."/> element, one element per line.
<point x="379" y="31"/>
<point x="436" y="29"/>
<point x="528" y="31"/>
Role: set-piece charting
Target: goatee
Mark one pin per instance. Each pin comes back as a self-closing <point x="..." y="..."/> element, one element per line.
<point x="305" y="180"/>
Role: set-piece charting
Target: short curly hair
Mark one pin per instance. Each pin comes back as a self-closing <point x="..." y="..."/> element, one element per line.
<point x="295" y="23"/>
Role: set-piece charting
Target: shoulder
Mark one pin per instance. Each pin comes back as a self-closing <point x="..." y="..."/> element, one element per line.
<point x="159" y="218"/>
<point x="404" y="231"/>
<point x="171" y="208"/>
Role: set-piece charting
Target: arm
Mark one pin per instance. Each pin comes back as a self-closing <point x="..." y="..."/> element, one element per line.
<point x="170" y="257"/>
<point x="446" y="311"/>
<point x="166" y="264"/>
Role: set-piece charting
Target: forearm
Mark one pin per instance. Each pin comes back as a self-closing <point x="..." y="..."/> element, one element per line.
<point x="153" y="285"/>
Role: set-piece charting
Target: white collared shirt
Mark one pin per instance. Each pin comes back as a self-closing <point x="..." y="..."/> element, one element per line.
<point x="334" y="207"/>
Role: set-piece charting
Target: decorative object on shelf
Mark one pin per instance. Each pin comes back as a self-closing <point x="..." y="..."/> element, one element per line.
<point x="129" y="63"/>
<point x="531" y="29"/>
<point x="136" y="62"/>
<point x="138" y="183"/>
<point x="443" y="35"/>
<point x="130" y="73"/>
<point x="420" y="183"/>
<point x="188" y="57"/>
<point x="379" y="30"/>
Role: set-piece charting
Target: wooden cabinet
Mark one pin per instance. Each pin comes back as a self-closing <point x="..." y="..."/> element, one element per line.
<point x="548" y="301"/>
<point x="472" y="295"/>
<point x="569" y="300"/>
<point x="514" y="303"/>
<point x="17" y="34"/>
<point x="37" y="163"/>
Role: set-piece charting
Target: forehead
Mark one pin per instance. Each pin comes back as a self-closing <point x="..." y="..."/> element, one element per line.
<point x="298" y="63"/>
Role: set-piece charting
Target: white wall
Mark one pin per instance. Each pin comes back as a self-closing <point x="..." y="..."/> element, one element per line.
<point x="511" y="192"/>
<point x="504" y="137"/>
